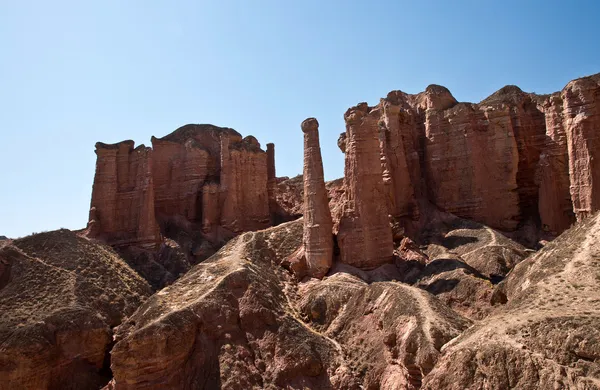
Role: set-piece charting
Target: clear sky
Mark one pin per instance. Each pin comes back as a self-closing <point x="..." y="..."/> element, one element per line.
<point x="76" y="72"/>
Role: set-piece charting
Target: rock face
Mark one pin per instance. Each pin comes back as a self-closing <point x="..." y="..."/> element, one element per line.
<point x="203" y="178"/>
<point x="364" y="234"/>
<point x="289" y="197"/>
<point x="581" y="119"/>
<point x="235" y="322"/>
<point x="245" y="203"/>
<point x="555" y="206"/>
<point x="271" y="181"/>
<point x="399" y="146"/>
<point x="547" y="335"/>
<point x="122" y="206"/>
<point x="318" y="225"/>
<point x="513" y="159"/>
<point x="60" y="297"/>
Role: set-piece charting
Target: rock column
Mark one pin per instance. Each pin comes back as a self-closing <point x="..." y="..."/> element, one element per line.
<point x="122" y="206"/>
<point x="318" y="225"/>
<point x="271" y="180"/>
<point x="364" y="233"/>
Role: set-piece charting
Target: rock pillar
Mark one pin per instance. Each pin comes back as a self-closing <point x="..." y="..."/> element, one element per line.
<point x="318" y="225"/>
<point x="364" y="233"/>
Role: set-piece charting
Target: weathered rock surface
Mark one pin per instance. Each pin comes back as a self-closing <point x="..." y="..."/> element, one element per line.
<point x="289" y="196"/>
<point x="271" y="182"/>
<point x="363" y="231"/>
<point x="228" y="324"/>
<point x="199" y="186"/>
<point x="318" y="225"/>
<point x="235" y="321"/>
<point x="390" y="333"/>
<point x="555" y="206"/>
<point x="581" y="119"/>
<point x="513" y="159"/>
<point x="122" y="206"/>
<point x="60" y="297"/>
<point x="547" y="335"/>
<point x="193" y="159"/>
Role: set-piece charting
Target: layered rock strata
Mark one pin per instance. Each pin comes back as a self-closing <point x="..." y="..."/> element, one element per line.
<point x="512" y="159"/>
<point x="363" y="232"/>
<point x="203" y="175"/>
<point x="581" y="119"/>
<point x="122" y="206"/>
<point x="318" y="225"/>
<point x="271" y="181"/>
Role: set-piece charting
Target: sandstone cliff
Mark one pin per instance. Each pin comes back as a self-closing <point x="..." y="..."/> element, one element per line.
<point x="122" y="206"/>
<point x="513" y="159"/>
<point x="363" y="232"/>
<point x="199" y="185"/>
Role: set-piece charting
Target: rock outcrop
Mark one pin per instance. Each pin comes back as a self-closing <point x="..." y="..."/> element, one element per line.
<point x="122" y="206"/>
<point x="363" y="232"/>
<point x="547" y="335"/>
<point x="245" y="203"/>
<point x="513" y="159"/>
<point x="204" y="179"/>
<point x="60" y="297"/>
<point x="318" y="225"/>
<point x="581" y="119"/>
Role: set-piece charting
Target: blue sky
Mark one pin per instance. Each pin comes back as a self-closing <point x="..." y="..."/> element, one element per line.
<point x="76" y="72"/>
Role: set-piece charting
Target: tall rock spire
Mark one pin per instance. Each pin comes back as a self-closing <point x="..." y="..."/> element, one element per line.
<point x="318" y="225"/>
<point x="364" y="234"/>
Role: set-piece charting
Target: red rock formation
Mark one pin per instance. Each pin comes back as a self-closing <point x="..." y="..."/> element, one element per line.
<point x="179" y="171"/>
<point x="555" y="206"/>
<point x="245" y="203"/>
<point x="400" y="148"/>
<point x="271" y="180"/>
<point x="364" y="233"/>
<point x="581" y="119"/>
<point x="176" y="180"/>
<point x="122" y="206"/>
<point x="501" y="162"/>
<point x="471" y="162"/>
<point x="318" y="225"/>
<point x="210" y="208"/>
<point x="235" y="322"/>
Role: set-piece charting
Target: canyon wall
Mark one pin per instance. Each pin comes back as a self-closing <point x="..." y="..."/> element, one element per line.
<point x="513" y="159"/>
<point x="203" y="175"/>
<point x="122" y="206"/>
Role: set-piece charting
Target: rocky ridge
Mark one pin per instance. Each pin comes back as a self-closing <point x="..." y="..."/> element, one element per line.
<point x="61" y="296"/>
